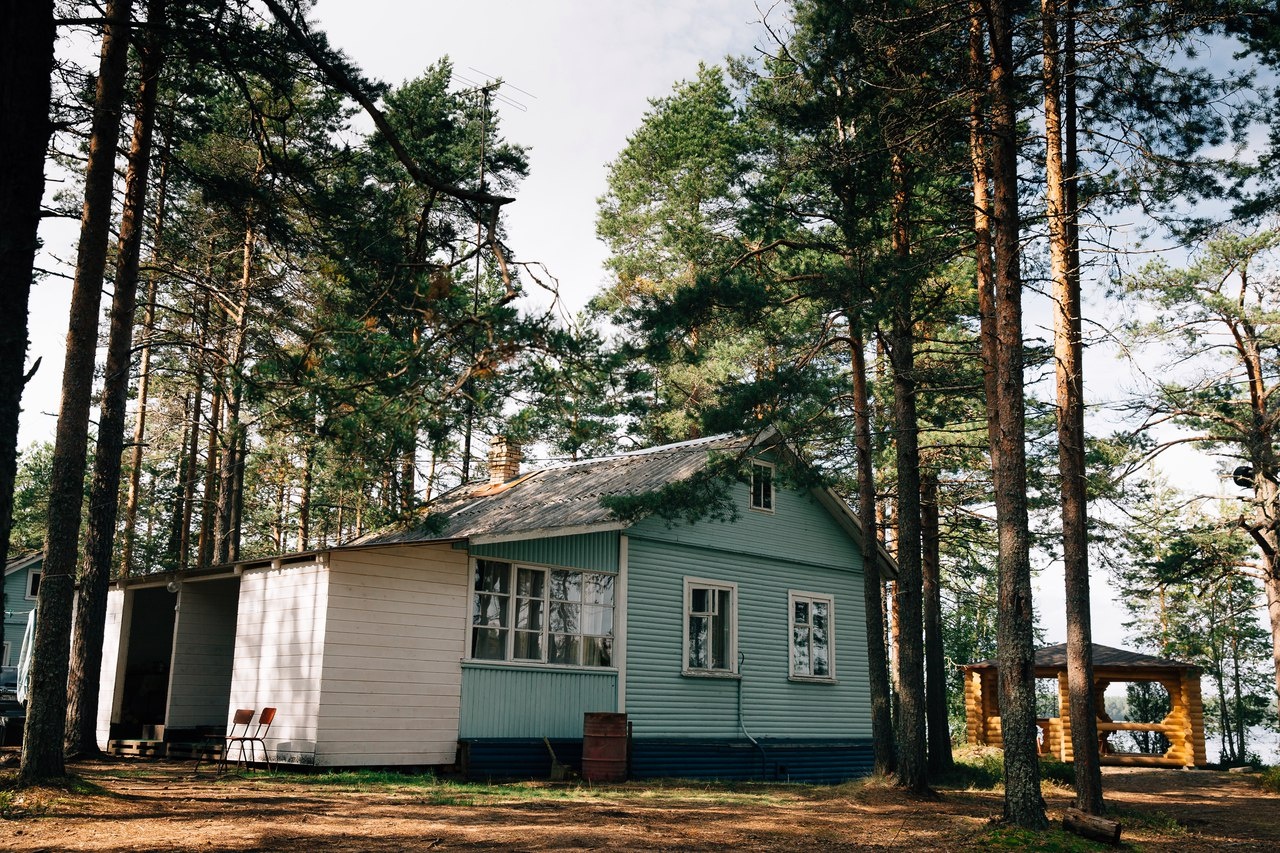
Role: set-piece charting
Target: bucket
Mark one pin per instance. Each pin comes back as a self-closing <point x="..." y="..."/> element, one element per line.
<point x="604" y="747"/>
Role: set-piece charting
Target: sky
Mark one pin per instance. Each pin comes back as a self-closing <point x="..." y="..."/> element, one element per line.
<point x="584" y="71"/>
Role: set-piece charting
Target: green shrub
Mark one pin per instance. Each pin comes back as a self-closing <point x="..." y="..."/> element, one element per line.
<point x="1270" y="779"/>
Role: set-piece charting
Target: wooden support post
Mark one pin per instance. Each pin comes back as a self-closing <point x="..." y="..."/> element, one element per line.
<point x="1065" y="752"/>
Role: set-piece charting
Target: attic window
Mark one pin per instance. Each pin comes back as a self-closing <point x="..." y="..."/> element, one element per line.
<point x="762" y="486"/>
<point x="33" y="585"/>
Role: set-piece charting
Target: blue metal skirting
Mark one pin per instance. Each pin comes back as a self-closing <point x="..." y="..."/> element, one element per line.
<point x="515" y="758"/>
<point x="773" y="760"/>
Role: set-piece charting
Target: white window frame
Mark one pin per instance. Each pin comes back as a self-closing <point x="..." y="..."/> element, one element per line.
<point x="773" y="493"/>
<point x="512" y="599"/>
<point x="690" y="584"/>
<point x="794" y="595"/>
<point x="5" y="660"/>
<point x="31" y="576"/>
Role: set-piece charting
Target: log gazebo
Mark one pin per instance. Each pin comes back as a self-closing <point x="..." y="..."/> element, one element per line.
<point x="1183" y="726"/>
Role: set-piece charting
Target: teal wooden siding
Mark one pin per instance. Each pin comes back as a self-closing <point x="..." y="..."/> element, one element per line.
<point x="591" y="551"/>
<point x="532" y="702"/>
<point x="16" y="608"/>
<point x="798" y="547"/>
<point x="799" y="529"/>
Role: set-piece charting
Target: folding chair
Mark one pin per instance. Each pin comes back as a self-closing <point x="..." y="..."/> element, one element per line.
<point x="259" y="736"/>
<point x="236" y="734"/>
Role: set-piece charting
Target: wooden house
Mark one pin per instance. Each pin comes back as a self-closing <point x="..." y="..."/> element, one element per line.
<point x="21" y="584"/>
<point x="1183" y="726"/>
<point x="736" y="648"/>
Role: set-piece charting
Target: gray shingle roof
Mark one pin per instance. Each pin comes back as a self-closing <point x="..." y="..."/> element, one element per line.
<point x="563" y="497"/>
<point x="1103" y="656"/>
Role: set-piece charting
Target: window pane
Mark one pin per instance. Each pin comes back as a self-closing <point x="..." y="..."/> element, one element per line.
<point x="802" y="613"/>
<point x="699" y="627"/>
<point x="531" y="582"/>
<point x="800" y="650"/>
<point x="597" y="620"/>
<point x="488" y="643"/>
<point x="597" y="589"/>
<point x="699" y="600"/>
<point x="720" y="642"/>
<point x="597" y="651"/>
<point x="566" y="586"/>
<point x="563" y="649"/>
<point x="489" y="610"/>
<point x="528" y="646"/>
<point x="529" y="614"/>
<point x="821" y="639"/>
<point x="821" y="663"/>
<point x="566" y="618"/>
<point x="492" y="576"/>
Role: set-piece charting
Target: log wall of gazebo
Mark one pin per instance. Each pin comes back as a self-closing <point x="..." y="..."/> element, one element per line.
<point x="1183" y="725"/>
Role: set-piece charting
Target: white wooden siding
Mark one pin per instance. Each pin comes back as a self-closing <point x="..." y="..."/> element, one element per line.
<point x="203" y="648"/>
<point x="395" y="635"/>
<point x="279" y="652"/>
<point x="113" y="639"/>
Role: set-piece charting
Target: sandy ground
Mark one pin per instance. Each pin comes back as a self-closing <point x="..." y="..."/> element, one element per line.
<point x="162" y="805"/>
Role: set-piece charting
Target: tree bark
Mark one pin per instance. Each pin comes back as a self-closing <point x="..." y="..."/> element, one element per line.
<point x="26" y="65"/>
<point x="104" y="496"/>
<point x="912" y="761"/>
<point x="232" y="457"/>
<point x="47" y="707"/>
<point x="209" y="498"/>
<point x="872" y="585"/>
<point x="144" y="377"/>
<point x="1068" y="353"/>
<point x="1015" y="654"/>
<point x="940" y="759"/>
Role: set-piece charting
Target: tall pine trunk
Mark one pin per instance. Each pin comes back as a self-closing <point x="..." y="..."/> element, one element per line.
<point x="912" y="762"/>
<point x="144" y="376"/>
<point x="872" y="585"/>
<point x="935" y="681"/>
<point x="104" y="496"/>
<point x="1015" y="653"/>
<point x="26" y="64"/>
<point x="1068" y="356"/>
<point x="47" y="707"/>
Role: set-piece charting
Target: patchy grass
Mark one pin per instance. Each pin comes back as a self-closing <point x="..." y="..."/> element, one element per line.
<point x="981" y="768"/>
<point x="18" y="802"/>
<point x="1157" y="821"/>
<point x="1049" y="841"/>
<point x="435" y="791"/>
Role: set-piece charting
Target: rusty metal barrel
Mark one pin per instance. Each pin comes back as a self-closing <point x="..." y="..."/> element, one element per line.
<point x="604" y="747"/>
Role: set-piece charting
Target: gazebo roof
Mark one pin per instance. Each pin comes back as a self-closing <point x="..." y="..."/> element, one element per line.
<point x="1055" y="657"/>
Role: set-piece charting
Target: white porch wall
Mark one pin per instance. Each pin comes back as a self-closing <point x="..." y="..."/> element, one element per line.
<point x="279" y="651"/>
<point x="394" y="639"/>
<point x="114" y="638"/>
<point x="204" y="642"/>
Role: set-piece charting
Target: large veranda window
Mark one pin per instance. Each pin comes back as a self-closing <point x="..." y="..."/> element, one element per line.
<point x="541" y="615"/>
<point x="710" y="640"/>
<point x="812" y="635"/>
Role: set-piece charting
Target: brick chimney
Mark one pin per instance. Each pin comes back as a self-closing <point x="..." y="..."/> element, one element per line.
<point x="504" y="460"/>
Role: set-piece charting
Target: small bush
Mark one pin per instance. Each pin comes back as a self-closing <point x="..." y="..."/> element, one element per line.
<point x="1270" y="779"/>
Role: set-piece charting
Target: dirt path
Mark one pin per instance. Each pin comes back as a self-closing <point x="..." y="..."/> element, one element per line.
<point x="161" y="806"/>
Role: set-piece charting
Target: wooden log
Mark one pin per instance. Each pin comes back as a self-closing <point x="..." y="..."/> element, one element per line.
<point x="1091" y="827"/>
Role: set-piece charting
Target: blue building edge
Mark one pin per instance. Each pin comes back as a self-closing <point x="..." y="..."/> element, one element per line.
<point x="817" y="760"/>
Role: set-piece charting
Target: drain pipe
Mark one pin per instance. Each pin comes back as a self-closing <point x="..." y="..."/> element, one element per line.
<point x="742" y="723"/>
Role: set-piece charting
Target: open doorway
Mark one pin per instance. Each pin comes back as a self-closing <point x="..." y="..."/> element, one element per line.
<point x="144" y="699"/>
